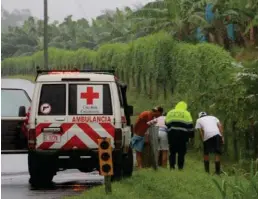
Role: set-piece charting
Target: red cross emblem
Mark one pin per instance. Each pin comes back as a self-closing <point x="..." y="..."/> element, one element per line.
<point x="89" y="96"/>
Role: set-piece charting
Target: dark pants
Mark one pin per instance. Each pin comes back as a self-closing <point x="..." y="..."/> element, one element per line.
<point x="213" y="145"/>
<point x="177" y="146"/>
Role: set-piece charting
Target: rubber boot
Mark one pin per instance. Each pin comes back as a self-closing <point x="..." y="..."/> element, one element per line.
<point x="207" y="166"/>
<point x="217" y="168"/>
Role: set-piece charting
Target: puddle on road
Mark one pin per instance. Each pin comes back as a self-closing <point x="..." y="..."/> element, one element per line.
<point x="71" y="186"/>
<point x="19" y="187"/>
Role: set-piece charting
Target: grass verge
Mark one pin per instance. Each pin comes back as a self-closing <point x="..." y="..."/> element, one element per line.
<point x="191" y="183"/>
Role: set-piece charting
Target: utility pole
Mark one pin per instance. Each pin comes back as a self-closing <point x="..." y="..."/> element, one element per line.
<point x="45" y="36"/>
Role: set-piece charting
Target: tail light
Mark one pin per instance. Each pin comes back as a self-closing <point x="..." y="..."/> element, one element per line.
<point x="25" y="123"/>
<point x="32" y="139"/>
<point x="118" y="138"/>
<point x="123" y="119"/>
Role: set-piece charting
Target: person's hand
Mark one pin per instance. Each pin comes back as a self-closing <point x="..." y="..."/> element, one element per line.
<point x="222" y="138"/>
<point x="190" y="141"/>
<point x="146" y="138"/>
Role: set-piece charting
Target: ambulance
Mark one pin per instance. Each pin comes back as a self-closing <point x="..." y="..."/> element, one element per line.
<point x="70" y="111"/>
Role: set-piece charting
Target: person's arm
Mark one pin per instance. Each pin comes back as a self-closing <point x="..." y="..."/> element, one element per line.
<point x="199" y="128"/>
<point x="154" y="121"/>
<point x="201" y="134"/>
<point x="190" y="126"/>
<point x="220" y="130"/>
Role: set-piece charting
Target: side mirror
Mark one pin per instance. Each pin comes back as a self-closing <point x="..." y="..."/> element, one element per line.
<point x="22" y="111"/>
<point x="130" y="110"/>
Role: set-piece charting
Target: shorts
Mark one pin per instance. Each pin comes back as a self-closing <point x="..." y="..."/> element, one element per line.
<point x="163" y="140"/>
<point x="137" y="143"/>
<point x="213" y="145"/>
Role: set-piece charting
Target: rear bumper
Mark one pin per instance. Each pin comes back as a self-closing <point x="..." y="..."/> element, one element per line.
<point x="85" y="160"/>
<point x="76" y="152"/>
<point x="64" y="152"/>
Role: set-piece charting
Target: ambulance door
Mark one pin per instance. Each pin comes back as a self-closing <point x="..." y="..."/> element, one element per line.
<point x="91" y="112"/>
<point x="125" y="118"/>
<point x="51" y="120"/>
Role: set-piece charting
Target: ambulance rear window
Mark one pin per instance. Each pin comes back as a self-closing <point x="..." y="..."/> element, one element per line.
<point x="52" y="99"/>
<point x="90" y="99"/>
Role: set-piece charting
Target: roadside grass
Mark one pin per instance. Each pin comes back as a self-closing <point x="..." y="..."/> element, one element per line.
<point x="191" y="183"/>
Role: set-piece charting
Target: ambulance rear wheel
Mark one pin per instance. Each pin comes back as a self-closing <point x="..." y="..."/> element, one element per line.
<point x="40" y="174"/>
<point x="42" y="180"/>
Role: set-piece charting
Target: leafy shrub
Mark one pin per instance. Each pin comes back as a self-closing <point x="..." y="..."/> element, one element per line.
<point x="238" y="189"/>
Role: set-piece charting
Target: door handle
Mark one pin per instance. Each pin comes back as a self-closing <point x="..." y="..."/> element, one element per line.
<point x="60" y="119"/>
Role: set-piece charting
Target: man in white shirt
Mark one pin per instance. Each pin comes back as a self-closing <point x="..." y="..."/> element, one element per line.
<point x="212" y="135"/>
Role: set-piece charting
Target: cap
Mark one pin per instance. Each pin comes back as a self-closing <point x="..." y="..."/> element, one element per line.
<point x="201" y="114"/>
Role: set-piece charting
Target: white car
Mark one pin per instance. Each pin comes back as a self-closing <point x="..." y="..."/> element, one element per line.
<point x="16" y="97"/>
<point x="70" y="111"/>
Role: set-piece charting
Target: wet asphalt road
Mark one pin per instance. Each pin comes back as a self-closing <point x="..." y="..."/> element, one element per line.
<point x="14" y="170"/>
<point x="67" y="183"/>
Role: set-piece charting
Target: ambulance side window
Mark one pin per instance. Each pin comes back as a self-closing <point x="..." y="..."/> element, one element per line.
<point x="53" y="95"/>
<point x="120" y="96"/>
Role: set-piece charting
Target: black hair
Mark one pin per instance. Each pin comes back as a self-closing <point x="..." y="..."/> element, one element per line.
<point x="158" y="109"/>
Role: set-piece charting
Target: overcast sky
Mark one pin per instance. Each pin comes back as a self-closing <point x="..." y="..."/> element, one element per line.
<point x="59" y="9"/>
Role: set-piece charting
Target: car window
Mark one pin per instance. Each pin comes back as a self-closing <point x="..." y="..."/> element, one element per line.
<point x="52" y="99"/>
<point x="89" y="99"/>
<point x="120" y="96"/>
<point x="11" y="100"/>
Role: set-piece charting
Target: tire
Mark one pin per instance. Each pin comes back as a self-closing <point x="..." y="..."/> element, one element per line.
<point x="117" y="165"/>
<point x="41" y="173"/>
<point x="128" y="163"/>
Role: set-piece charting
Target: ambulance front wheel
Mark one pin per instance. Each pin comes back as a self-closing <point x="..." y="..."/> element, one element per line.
<point x="122" y="165"/>
<point x="128" y="163"/>
<point x="117" y="165"/>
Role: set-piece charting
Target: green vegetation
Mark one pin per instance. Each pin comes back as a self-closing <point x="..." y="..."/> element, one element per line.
<point x="191" y="183"/>
<point x="164" y="71"/>
<point x="179" y="18"/>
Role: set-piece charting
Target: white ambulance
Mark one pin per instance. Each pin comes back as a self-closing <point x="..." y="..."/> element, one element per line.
<point x="70" y="111"/>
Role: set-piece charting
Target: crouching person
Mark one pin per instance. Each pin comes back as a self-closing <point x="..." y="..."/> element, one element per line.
<point x="140" y="129"/>
<point x="163" y="138"/>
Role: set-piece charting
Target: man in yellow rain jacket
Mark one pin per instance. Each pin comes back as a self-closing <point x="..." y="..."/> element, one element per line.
<point x="180" y="128"/>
